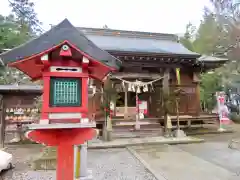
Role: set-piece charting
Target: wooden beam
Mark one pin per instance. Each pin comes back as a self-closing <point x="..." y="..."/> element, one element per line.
<point x="135" y="75"/>
<point x="148" y="64"/>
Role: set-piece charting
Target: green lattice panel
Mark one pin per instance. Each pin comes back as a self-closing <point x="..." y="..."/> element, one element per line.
<point x="65" y="92"/>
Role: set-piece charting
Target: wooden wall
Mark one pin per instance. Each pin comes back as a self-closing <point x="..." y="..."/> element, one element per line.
<point x="189" y="102"/>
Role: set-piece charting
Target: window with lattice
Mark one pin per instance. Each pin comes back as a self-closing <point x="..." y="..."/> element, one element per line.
<point x="65" y="92"/>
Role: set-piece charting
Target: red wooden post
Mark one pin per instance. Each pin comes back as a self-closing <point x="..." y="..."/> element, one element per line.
<point x="64" y="140"/>
<point x="65" y="166"/>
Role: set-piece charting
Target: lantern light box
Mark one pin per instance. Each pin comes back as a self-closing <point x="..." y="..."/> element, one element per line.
<point x="65" y="92"/>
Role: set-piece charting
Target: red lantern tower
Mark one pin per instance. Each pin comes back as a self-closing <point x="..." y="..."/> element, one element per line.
<point x="64" y="59"/>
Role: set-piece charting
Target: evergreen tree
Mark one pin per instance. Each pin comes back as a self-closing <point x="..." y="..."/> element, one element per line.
<point x="17" y="29"/>
<point x="187" y="39"/>
<point x="10" y="34"/>
<point x="26" y="16"/>
<point x="204" y="40"/>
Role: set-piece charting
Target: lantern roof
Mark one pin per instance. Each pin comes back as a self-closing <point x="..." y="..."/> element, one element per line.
<point x="63" y="32"/>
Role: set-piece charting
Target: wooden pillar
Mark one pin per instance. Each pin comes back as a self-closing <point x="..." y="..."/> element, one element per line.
<point x="125" y="103"/>
<point x="196" y="79"/>
<point x="2" y="123"/>
<point x="165" y="84"/>
<point x="198" y="100"/>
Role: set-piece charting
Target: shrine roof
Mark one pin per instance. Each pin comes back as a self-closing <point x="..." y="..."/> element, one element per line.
<point x="26" y="88"/>
<point x="20" y="88"/>
<point x="206" y="58"/>
<point x="64" y="31"/>
<point x="136" y="42"/>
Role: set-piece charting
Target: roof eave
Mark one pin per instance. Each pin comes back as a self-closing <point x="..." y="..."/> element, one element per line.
<point x="152" y="53"/>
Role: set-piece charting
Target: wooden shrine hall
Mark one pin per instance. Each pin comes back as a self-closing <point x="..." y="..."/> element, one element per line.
<point x="147" y="57"/>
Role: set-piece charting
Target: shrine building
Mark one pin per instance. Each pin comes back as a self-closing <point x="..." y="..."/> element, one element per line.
<point x="147" y="57"/>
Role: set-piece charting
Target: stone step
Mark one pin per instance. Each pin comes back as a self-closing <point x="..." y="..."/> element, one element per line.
<point x="209" y="122"/>
<point x="150" y="132"/>
<point x="150" y="120"/>
<point x="132" y="125"/>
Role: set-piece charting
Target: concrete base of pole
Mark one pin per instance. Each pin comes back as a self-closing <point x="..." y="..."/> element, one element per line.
<point x="83" y="172"/>
<point x="104" y="134"/>
<point x="83" y="160"/>
<point x="89" y="176"/>
<point x="137" y="125"/>
<point x="221" y="129"/>
<point x="17" y="138"/>
<point x="179" y="133"/>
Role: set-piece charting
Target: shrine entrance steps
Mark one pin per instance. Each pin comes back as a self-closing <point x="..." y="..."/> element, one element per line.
<point x="149" y="127"/>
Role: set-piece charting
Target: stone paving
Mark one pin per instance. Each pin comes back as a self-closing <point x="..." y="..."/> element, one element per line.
<point x="106" y="164"/>
<point x="173" y="163"/>
<point x="212" y="160"/>
<point x="217" y="153"/>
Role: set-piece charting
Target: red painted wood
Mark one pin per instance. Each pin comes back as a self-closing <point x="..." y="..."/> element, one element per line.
<point x="68" y="62"/>
<point x="44" y="116"/>
<point x="65" y="74"/>
<point x="65" y="110"/>
<point x="67" y="53"/>
<point x="46" y="106"/>
<point x="35" y="55"/>
<point x="54" y="137"/>
<point x="29" y="65"/>
<point x="46" y="94"/>
<point x="64" y="121"/>
<point x="85" y="95"/>
<point x="65" y="162"/>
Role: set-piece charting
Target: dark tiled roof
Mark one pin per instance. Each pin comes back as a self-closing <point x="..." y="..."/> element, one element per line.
<point x="133" y="41"/>
<point x="63" y="31"/>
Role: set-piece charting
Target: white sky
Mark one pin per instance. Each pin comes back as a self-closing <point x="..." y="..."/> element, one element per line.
<point x="164" y="16"/>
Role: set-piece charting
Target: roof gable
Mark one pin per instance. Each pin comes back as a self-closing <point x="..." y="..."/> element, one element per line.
<point x="64" y="31"/>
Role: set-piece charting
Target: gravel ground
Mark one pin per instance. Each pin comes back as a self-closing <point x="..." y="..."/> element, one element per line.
<point x="108" y="164"/>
